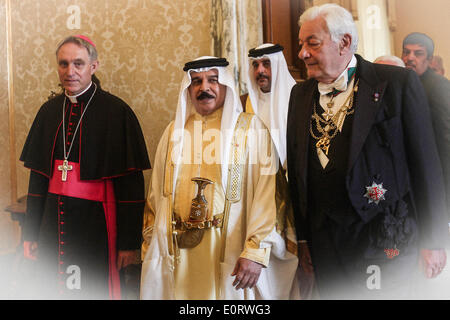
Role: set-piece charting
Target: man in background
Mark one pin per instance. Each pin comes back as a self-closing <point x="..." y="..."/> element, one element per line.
<point x="417" y="54"/>
<point x="437" y="65"/>
<point x="269" y="84"/>
<point x="390" y="60"/>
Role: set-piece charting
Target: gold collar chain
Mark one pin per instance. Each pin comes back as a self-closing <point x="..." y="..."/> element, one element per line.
<point x="328" y="128"/>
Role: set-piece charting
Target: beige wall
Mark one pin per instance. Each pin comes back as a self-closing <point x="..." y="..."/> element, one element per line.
<point x="142" y="48"/>
<point x="430" y="17"/>
<point x="8" y="228"/>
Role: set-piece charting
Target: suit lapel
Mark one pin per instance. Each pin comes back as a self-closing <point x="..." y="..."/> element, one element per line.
<point x="305" y="111"/>
<point x="367" y="104"/>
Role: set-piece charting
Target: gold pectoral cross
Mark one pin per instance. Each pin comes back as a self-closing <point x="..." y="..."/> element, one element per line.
<point x="64" y="168"/>
<point x="328" y="115"/>
<point x="323" y="144"/>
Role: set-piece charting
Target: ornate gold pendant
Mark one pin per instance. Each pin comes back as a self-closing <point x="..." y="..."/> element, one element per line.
<point x="198" y="214"/>
<point x="324" y="144"/>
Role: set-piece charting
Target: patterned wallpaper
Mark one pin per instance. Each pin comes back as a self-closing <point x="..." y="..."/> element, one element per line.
<point x="8" y="228"/>
<point x="142" y="45"/>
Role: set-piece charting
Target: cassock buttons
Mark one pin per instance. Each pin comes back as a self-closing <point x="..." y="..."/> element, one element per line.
<point x="61" y="250"/>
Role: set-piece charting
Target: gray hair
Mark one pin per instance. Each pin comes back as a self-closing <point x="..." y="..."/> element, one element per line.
<point x="392" y="59"/>
<point x="92" y="52"/>
<point x="339" y="22"/>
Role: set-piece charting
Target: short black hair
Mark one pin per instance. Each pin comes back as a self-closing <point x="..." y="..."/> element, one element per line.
<point x="421" y="39"/>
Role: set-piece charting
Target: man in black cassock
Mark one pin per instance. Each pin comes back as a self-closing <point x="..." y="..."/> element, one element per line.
<point x="86" y="195"/>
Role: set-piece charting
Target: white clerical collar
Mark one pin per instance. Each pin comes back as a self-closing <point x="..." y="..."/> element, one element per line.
<point x="73" y="99"/>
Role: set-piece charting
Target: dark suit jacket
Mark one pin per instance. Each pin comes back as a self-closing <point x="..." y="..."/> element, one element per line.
<point x="437" y="89"/>
<point x="392" y="142"/>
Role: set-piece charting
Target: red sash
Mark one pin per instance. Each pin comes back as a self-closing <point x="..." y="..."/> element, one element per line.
<point x="96" y="190"/>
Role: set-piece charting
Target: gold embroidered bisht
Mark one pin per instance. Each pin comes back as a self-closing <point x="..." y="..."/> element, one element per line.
<point x="201" y="272"/>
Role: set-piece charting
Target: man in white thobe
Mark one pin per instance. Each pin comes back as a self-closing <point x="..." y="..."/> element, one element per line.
<point x="269" y="87"/>
<point x="226" y="253"/>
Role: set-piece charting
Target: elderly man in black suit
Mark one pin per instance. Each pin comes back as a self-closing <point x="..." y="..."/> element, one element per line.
<point x="364" y="172"/>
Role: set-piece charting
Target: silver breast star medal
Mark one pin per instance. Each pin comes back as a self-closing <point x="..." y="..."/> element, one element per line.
<point x="375" y="193"/>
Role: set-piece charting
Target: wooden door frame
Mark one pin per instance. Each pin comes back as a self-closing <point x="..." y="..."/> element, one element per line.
<point x="297" y="7"/>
